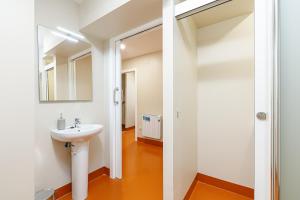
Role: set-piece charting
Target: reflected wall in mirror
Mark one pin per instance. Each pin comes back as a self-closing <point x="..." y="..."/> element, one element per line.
<point x="65" y="66"/>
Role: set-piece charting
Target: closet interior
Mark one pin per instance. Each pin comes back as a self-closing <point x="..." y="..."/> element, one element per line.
<point x="214" y="95"/>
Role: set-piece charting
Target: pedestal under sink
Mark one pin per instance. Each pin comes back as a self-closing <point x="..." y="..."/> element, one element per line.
<point x="79" y="138"/>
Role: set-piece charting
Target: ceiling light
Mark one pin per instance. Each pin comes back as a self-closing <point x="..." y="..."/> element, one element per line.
<point x="64" y="36"/>
<point x="70" y="32"/>
<point x="122" y="46"/>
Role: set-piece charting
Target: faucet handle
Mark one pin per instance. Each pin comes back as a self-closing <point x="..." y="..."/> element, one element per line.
<point x="77" y="121"/>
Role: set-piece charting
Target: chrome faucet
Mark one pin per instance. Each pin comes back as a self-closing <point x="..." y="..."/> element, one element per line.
<point x="77" y="123"/>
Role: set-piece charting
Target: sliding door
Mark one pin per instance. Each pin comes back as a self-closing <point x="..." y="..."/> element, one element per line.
<point x="289" y="28"/>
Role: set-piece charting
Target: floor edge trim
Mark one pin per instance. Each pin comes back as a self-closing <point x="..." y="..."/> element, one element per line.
<point x="191" y="188"/>
<point x="232" y="187"/>
<point x="66" y="189"/>
<point x="149" y="141"/>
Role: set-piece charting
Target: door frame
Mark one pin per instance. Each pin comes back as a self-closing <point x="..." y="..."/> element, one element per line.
<point x="266" y="100"/>
<point x="266" y="90"/>
<point x="114" y="76"/>
<point x="134" y="70"/>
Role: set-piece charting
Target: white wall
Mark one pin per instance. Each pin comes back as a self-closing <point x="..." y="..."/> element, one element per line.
<point x="91" y="10"/>
<point x="149" y="83"/>
<point x="130" y="98"/>
<point x="52" y="163"/>
<point x="226" y="100"/>
<point x="53" y="13"/>
<point x="185" y="76"/>
<point x="17" y="99"/>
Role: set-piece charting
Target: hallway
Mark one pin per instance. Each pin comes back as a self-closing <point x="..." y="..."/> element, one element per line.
<point x="142" y="174"/>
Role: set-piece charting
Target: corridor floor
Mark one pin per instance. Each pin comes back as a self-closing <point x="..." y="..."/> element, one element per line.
<point x="142" y="174"/>
<point x="142" y="177"/>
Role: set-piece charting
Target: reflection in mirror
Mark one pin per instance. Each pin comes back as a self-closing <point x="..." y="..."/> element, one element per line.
<point x="65" y="66"/>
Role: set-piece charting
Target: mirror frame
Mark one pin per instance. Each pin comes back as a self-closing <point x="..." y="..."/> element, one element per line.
<point x="88" y="51"/>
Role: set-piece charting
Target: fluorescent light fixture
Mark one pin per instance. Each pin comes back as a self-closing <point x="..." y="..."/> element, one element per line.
<point x="70" y="32"/>
<point x="122" y="46"/>
<point x="64" y="36"/>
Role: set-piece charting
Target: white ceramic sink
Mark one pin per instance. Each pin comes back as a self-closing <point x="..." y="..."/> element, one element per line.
<point x="79" y="139"/>
<point x="81" y="134"/>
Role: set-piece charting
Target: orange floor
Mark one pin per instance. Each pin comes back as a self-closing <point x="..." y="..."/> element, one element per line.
<point x="142" y="174"/>
<point x="203" y="191"/>
<point x="142" y="177"/>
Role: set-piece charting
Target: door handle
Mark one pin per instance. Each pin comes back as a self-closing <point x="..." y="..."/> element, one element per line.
<point x="261" y="116"/>
<point x="116" y="102"/>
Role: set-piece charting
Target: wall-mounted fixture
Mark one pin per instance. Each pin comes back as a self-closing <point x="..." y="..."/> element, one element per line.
<point x="65" y="66"/>
<point x="122" y="46"/>
<point x="64" y="36"/>
<point x="71" y="33"/>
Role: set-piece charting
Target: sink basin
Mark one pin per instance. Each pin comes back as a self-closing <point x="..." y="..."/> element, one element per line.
<point x="83" y="133"/>
<point x="79" y="138"/>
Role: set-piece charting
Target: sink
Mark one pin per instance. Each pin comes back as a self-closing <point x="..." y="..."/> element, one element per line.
<point x="79" y="139"/>
<point x="83" y="133"/>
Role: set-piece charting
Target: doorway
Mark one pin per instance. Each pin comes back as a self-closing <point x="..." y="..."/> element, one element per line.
<point x="139" y="118"/>
<point x="215" y="99"/>
<point x="198" y="52"/>
<point x="129" y="100"/>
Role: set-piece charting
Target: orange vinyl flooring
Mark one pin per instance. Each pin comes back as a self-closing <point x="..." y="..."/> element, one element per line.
<point x="142" y="174"/>
<point x="142" y="177"/>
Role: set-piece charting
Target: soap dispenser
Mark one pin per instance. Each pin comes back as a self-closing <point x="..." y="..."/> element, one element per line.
<point x="61" y="123"/>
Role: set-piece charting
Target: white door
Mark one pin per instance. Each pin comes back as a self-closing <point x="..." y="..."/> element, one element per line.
<point x="129" y="98"/>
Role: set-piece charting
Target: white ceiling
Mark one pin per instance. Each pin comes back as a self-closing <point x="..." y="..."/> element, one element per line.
<point x="79" y="1"/>
<point x="222" y="12"/>
<point x="129" y="16"/>
<point x="143" y="43"/>
<point x="67" y="48"/>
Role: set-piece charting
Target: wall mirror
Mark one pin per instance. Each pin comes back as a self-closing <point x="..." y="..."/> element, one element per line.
<point x="65" y="66"/>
